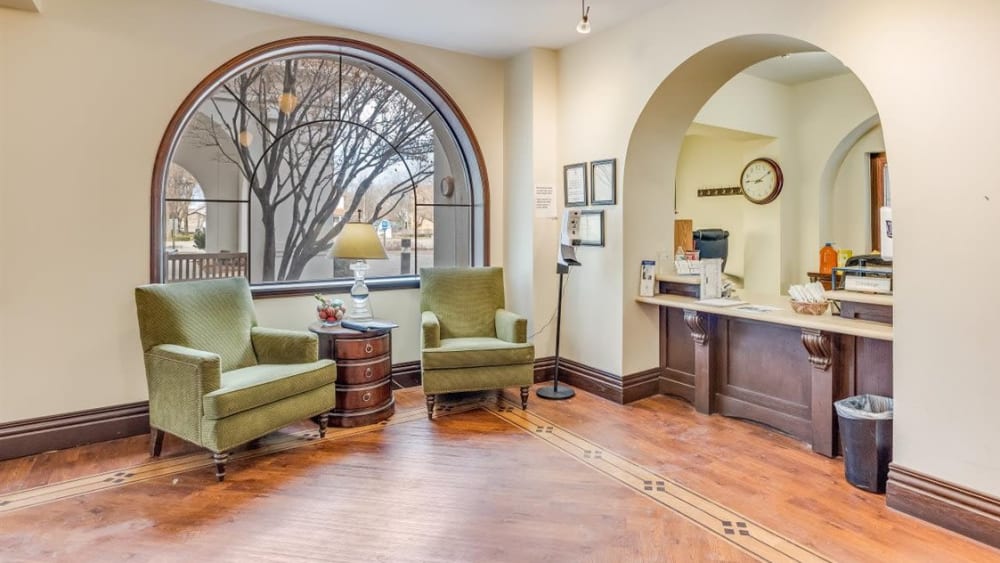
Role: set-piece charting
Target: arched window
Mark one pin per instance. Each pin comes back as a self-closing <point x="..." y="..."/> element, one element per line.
<point x="292" y="140"/>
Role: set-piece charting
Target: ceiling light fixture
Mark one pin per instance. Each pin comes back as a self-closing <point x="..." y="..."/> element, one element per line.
<point x="584" y="25"/>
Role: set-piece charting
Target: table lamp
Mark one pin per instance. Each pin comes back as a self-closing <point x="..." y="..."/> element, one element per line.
<point x="359" y="242"/>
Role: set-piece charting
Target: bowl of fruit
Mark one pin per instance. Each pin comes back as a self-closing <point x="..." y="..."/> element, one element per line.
<point x="330" y="311"/>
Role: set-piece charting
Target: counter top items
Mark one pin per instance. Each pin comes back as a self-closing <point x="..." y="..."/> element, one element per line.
<point x="809" y="299"/>
<point x="647" y="285"/>
<point x="781" y="314"/>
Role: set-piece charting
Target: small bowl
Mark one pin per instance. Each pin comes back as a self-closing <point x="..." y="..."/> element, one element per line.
<point x="809" y="308"/>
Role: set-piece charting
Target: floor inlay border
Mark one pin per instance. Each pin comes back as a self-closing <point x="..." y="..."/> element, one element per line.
<point x="160" y="467"/>
<point x="753" y="538"/>
<point x="749" y="536"/>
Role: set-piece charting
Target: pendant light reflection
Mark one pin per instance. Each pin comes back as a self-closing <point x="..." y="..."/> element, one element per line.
<point x="287" y="102"/>
<point x="584" y="25"/>
<point x="246" y="138"/>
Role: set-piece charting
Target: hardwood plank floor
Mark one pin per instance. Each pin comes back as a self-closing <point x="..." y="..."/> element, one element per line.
<point x="579" y="480"/>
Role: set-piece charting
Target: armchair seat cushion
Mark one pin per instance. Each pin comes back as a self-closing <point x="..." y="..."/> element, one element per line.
<point x="255" y="386"/>
<point x="473" y="352"/>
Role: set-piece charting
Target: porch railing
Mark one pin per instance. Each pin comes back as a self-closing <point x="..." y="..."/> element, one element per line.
<point x="185" y="267"/>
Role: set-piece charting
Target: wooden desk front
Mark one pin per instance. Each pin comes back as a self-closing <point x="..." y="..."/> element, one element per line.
<point x="779" y="368"/>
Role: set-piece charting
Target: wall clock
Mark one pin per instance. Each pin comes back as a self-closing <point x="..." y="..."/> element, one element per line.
<point x="761" y="180"/>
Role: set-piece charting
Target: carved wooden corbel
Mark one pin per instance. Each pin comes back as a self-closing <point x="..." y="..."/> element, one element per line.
<point x="819" y="347"/>
<point x="696" y="322"/>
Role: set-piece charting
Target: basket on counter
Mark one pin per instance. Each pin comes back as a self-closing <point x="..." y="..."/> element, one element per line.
<point x="805" y="308"/>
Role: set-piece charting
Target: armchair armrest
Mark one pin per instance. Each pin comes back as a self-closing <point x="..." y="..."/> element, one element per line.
<point x="276" y="346"/>
<point x="178" y="378"/>
<point x="430" y="330"/>
<point x="511" y="327"/>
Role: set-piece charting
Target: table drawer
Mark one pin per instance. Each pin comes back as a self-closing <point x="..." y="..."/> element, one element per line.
<point x="352" y="372"/>
<point x="361" y="348"/>
<point x="356" y="397"/>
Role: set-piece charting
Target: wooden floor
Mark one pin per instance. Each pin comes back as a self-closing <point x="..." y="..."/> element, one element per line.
<point x="578" y="480"/>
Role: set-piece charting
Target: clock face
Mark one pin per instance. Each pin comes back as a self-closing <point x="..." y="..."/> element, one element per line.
<point x="761" y="180"/>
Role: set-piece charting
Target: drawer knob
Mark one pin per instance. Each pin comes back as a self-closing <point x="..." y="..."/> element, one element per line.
<point x="366" y="397"/>
<point x="368" y="372"/>
<point x="369" y="348"/>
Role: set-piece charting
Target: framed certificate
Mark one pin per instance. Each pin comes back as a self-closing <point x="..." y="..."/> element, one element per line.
<point x="602" y="182"/>
<point x="575" y="184"/>
<point x="592" y="228"/>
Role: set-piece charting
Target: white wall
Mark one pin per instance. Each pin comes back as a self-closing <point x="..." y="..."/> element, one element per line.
<point x="717" y="160"/>
<point x="109" y="75"/>
<point x="812" y="124"/>
<point x="826" y="111"/>
<point x="934" y="96"/>
<point x="850" y="209"/>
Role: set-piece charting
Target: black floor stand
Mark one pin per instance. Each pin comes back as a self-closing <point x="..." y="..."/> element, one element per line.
<point x="555" y="392"/>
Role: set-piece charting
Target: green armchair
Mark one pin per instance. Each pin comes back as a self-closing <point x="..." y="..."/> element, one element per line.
<point x="469" y="341"/>
<point x="218" y="380"/>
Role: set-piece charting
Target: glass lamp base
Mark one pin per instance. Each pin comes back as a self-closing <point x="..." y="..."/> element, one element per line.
<point x="362" y="307"/>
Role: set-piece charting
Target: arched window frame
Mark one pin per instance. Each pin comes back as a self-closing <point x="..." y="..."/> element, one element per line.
<point x="409" y="73"/>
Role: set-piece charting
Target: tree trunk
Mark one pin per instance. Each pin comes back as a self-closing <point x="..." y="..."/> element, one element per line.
<point x="267" y="264"/>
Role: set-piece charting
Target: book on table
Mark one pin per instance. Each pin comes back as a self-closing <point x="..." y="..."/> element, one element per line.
<point x="365" y="326"/>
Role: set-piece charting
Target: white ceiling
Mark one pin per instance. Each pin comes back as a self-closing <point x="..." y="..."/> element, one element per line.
<point x="797" y="68"/>
<point x="491" y="28"/>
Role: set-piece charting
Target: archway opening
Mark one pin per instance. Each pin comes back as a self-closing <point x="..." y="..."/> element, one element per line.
<point x="797" y="220"/>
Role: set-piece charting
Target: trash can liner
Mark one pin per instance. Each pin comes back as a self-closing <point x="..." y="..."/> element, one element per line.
<point x="865" y="425"/>
<point x="865" y="407"/>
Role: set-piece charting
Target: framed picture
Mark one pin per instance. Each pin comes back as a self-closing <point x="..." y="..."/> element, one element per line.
<point x="602" y="182"/>
<point x="575" y="184"/>
<point x="592" y="228"/>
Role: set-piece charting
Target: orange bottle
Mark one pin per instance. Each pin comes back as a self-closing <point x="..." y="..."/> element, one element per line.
<point x="827" y="259"/>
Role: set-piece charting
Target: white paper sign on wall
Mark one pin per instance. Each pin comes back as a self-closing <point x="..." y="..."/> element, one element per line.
<point x="545" y="202"/>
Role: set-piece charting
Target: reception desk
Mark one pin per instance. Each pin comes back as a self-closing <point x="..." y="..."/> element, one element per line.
<point x="779" y="368"/>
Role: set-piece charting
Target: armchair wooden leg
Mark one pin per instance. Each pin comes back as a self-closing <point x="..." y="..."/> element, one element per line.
<point x="155" y="442"/>
<point x="220" y="465"/>
<point x="324" y="419"/>
<point x="524" y="397"/>
<point x="499" y="396"/>
<point x="430" y="406"/>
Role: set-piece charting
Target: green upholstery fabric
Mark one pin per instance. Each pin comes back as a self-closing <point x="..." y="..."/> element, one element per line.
<point x="469" y="341"/>
<point x="216" y="379"/>
<point x="211" y="315"/>
<point x="178" y="378"/>
<point x="227" y="433"/>
<point x="476" y="352"/>
<point x="430" y="330"/>
<point x="465" y="300"/>
<point x="511" y="327"/>
<point x="275" y="346"/>
<point x="255" y="386"/>
<point x="477" y="379"/>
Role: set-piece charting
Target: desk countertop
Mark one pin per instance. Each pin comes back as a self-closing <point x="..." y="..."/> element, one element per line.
<point x="784" y="316"/>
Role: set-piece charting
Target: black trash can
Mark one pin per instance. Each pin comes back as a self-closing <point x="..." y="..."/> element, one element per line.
<point x="866" y="436"/>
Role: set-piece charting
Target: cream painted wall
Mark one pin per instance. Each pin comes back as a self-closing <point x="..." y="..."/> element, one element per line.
<point x="530" y="160"/>
<point x="851" y="203"/>
<point x="109" y="74"/>
<point x="754" y="230"/>
<point x="944" y="385"/>
<point x="826" y="112"/>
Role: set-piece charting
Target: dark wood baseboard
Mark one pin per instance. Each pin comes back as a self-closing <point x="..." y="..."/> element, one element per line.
<point x="406" y="374"/>
<point x="56" y="432"/>
<point x="948" y="505"/>
<point x="604" y="384"/>
<point x="544" y="368"/>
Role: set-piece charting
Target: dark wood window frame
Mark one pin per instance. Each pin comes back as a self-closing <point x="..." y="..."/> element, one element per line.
<point x="319" y="45"/>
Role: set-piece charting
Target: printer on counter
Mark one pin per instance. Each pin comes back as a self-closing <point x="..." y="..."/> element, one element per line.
<point x="867" y="273"/>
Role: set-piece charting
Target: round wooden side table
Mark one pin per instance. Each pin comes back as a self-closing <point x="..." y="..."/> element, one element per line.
<point x="364" y="373"/>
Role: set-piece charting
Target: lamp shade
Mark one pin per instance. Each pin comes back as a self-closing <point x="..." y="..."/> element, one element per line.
<point x="358" y="241"/>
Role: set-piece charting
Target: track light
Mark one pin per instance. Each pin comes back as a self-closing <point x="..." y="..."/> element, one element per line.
<point x="584" y="25"/>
